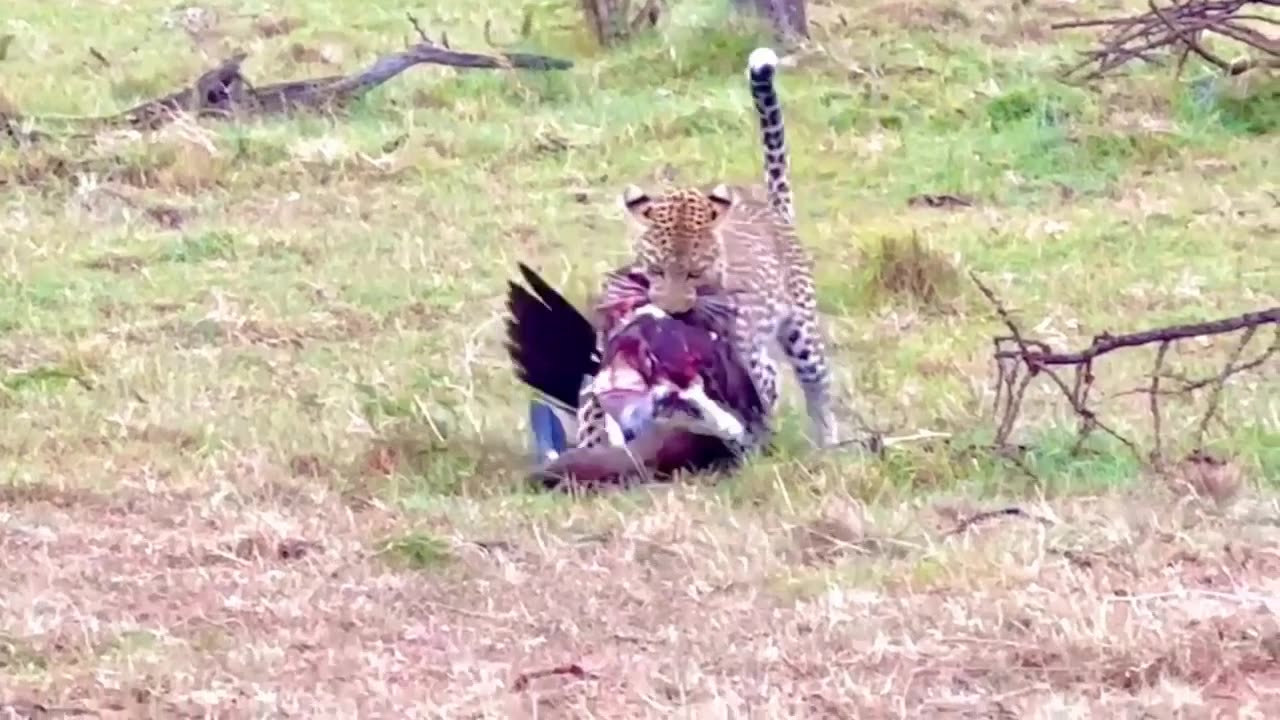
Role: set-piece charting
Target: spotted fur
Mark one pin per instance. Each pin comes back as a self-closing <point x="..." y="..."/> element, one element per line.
<point x="693" y="240"/>
<point x="762" y="65"/>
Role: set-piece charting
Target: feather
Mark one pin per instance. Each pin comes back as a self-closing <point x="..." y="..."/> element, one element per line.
<point x="544" y="320"/>
<point x="548" y="432"/>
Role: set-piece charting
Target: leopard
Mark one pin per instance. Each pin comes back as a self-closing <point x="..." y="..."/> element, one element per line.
<point x="727" y="239"/>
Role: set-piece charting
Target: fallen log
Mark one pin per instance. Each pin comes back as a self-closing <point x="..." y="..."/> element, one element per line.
<point x="224" y="91"/>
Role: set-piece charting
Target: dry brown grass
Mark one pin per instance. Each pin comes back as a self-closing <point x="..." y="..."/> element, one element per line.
<point x="270" y="597"/>
<point x="905" y="271"/>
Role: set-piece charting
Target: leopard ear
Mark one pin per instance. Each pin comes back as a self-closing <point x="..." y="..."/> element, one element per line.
<point x="722" y="197"/>
<point x="636" y="201"/>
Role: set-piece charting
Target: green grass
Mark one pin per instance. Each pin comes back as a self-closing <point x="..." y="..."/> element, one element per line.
<point x="416" y="551"/>
<point x="324" y="316"/>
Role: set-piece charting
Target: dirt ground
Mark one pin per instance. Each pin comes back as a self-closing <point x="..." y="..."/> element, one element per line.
<point x="273" y="600"/>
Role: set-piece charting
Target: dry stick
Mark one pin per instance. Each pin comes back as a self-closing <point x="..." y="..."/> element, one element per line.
<point x="1157" y="453"/>
<point x="1215" y="395"/>
<point x="422" y="34"/>
<point x="1256" y="18"/>
<point x="1011" y="511"/>
<point x="1248" y="36"/>
<point x="1189" y="386"/>
<point x="1008" y="364"/>
<point x="1186" y="38"/>
<point x="1105" y="343"/>
<point x="1193" y="385"/>
<point x="574" y="669"/>
<point x="1088" y="423"/>
<point x="1132" y="37"/>
<point x="1035" y="364"/>
<point x="1114" y="49"/>
<point x="99" y="57"/>
<point x="1014" y="455"/>
<point x="1012" y="403"/>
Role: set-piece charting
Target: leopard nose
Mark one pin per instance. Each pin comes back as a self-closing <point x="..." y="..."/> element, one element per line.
<point x="673" y="303"/>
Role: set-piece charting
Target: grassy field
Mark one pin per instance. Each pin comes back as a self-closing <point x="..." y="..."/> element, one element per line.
<point x="261" y="448"/>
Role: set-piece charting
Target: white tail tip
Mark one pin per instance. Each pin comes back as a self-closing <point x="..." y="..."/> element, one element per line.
<point x="762" y="58"/>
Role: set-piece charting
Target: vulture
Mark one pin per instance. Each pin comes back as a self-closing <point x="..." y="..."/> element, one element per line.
<point x="670" y="391"/>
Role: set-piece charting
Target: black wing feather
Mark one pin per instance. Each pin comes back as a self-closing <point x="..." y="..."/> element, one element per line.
<point x="550" y="342"/>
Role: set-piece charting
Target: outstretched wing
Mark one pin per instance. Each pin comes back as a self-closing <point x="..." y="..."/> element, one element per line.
<point x="551" y="344"/>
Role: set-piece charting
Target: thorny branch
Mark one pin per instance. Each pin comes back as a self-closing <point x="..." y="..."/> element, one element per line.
<point x="1018" y="360"/>
<point x="1182" y="25"/>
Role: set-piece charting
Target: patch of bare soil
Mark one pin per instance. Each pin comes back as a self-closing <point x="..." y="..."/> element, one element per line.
<point x="238" y="606"/>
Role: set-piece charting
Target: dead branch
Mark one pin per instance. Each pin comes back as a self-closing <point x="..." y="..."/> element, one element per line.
<point x="96" y="55"/>
<point x="422" y="34"/>
<point x="1010" y="368"/>
<point x="225" y="92"/>
<point x="1018" y="360"/>
<point x="572" y="669"/>
<point x="1215" y="395"/>
<point x="1157" y="456"/>
<point x="965" y="524"/>
<point x="1106" y="342"/>
<point x="1180" y="27"/>
<point x="1189" y="386"/>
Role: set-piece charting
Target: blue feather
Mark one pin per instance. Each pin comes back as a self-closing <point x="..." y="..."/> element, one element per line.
<point x="548" y="432"/>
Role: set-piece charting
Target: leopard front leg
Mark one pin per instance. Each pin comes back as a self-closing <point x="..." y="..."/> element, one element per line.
<point x="595" y="427"/>
<point x="750" y="332"/>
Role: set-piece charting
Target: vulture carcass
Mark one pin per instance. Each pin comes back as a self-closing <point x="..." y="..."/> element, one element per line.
<point x="651" y="394"/>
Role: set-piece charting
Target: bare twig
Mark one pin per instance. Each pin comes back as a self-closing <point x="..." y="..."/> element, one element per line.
<point x="978" y="518"/>
<point x="1188" y="386"/>
<point x="99" y="57"/>
<point x="1031" y="359"/>
<point x="1019" y="359"/>
<point x="1181" y="25"/>
<point x="1193" y="385"/>
<point x="1157" y="453"/>
<point x="1215" y="395"/>
<point x="1106" y="343"/>
<point x="417" y="27"/>
<point x="523" y="679"/>
<point x="1185" y="36"/>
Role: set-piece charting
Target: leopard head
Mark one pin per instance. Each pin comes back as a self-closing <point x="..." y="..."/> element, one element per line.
<point x="677" y="241"/>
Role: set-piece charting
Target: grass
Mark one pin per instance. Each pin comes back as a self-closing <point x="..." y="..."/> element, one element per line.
<point x="262" y="448"/>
